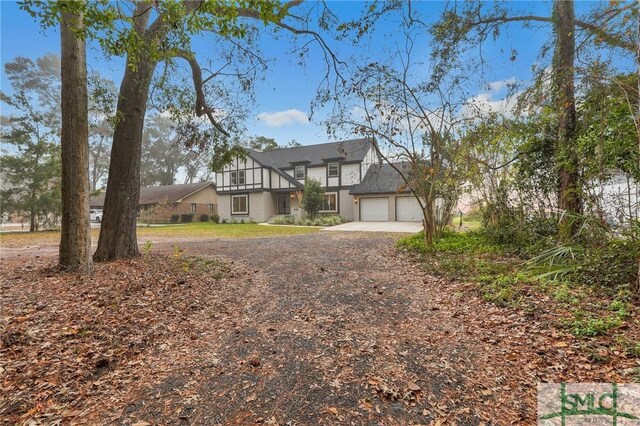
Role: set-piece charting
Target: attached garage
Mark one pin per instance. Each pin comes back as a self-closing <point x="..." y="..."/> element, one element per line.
<point x="374" y="209"/>
<point x="408" y="210"/>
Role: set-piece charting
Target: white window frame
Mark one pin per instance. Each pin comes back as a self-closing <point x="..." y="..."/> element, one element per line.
<point x="335" y="194"/>
<point x="246" y="197"/>
<point x="238" y="177"/>
<point x="304" y="172"/>
<point x="194" y="207"/>
<point x="337" y="165"/>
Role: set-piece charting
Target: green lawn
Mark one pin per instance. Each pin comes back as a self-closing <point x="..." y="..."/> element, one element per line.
<point x="189" y="230"/>
<point x="213" y="230"/>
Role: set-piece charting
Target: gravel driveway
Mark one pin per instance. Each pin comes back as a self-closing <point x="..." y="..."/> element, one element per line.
<point x="323" y="329"/>
<point x="338" y="328"/>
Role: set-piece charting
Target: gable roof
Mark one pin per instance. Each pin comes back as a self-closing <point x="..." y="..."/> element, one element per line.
<point x="158" y="194"/>
<point x="353" y="150"/>
<point x="381" y="179"/>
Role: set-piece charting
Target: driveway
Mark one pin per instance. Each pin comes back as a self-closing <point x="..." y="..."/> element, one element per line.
<point x="340" y="328"/>
<point x="330" y="328"/>
<point x="404" y="227"/>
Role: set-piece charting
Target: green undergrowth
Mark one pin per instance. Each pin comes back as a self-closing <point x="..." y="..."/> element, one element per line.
<point x="589" y="299"/>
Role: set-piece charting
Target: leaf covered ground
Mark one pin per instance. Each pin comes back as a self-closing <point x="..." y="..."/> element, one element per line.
<point x="323" y="328"/>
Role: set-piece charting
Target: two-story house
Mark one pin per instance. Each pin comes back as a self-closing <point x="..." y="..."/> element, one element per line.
<point x="265" y="184"/>
<point x="357" y="186"/>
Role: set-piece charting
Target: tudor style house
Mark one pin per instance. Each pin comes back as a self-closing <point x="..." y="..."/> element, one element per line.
<point x="357" y="185"/>
<point x="266" y="184"/>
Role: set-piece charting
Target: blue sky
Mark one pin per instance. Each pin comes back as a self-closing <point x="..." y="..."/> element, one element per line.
<point x="283" y="98"/>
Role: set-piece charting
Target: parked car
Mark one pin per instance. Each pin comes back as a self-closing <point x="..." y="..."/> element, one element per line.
<point x="95" y="215"/>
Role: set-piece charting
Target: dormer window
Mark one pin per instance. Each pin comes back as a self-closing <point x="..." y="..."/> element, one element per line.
<point x="300" y="172"/>
<point x="333" y="170"/>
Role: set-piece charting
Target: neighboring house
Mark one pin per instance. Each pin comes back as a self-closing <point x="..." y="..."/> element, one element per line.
<point x="620" y="198"/>
<point x="267" y="184"/>
<point x="159" y="203"/>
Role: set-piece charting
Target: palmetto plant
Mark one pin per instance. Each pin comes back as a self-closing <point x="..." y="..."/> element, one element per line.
<point x="563" y="259"/>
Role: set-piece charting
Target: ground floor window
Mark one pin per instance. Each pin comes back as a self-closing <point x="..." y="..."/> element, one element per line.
<point x="194" y="207"/>
<point x="239" y="204"/>
<point x="211" y="206"/>
<point x="330" y="202"/>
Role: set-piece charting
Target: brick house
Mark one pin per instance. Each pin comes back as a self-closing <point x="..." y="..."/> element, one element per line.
<point x="159" y="203"/>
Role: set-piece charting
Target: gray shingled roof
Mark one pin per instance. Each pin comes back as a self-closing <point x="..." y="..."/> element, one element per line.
<point x="351" y="150"/>
<point x="381" y="179"/>
<point x="157" y="194"/>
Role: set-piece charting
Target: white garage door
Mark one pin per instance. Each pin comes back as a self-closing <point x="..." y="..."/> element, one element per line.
<point x="408" y="210"/>
<point x="374" y="209"/>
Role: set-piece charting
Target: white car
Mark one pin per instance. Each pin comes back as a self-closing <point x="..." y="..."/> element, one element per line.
<point x="95" y="215"/>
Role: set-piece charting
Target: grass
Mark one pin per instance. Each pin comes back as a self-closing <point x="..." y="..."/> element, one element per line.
<point x="203" y="230"/>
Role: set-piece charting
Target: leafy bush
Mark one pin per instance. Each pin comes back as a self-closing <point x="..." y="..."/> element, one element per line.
<point x="451" y="242"/>
<point x="215" y="218"/>
<point x="204" y="218"/>
<point x="175" y="218"/>
<point x="186" y="217"/>
<point x="614" y="265"/>
<point x="322" y="220"/>
<point x="313" y="197"/>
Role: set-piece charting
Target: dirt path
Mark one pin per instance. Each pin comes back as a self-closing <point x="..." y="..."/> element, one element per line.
<point x="316" y="329"/>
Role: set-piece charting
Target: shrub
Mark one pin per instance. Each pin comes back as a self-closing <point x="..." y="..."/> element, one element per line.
<point x="186" y="217"/>
<point x="284" y="220"/>
<point x="215" y="218"/>
<point x="313" y="197"/>
<point x="175" y="218"/>
<point x="204" y="218"/>
<point x="613" y="265"/>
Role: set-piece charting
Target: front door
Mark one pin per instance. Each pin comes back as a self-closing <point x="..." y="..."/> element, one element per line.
<point x="284" y="204"/>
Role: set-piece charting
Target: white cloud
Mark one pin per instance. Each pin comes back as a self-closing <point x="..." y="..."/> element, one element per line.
<point x="493" y="100"/>
<point x="496" y="86"/>
<point x="283" y="118"/>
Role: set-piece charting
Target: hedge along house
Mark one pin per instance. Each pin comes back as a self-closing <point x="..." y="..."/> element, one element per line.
<point x="267" y="184"/>
<point x="159" y="203"/>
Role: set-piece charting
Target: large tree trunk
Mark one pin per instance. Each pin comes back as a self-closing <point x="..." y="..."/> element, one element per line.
<point x="118" y="238"/>
<point x="75" y="241"/>
<point x="569" y="198"/>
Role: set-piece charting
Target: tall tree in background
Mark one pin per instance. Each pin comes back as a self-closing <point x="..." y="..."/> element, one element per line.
<point x="102" y="118"/>
<point x="163" y="153"/>
<point x="75" y="239"/>
<point x="30" y="160"/>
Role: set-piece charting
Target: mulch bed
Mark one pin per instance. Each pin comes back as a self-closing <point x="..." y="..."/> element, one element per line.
<point x="348" y="332"/>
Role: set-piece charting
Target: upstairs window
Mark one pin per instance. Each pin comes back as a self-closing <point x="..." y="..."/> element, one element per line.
<point x="333" y="170"/>
<point x="237" y="177"/>
<point x="300" y="172"/>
